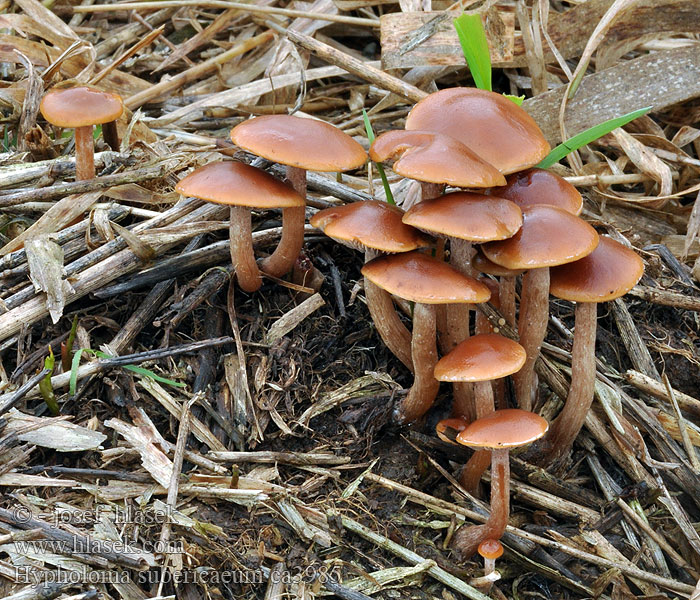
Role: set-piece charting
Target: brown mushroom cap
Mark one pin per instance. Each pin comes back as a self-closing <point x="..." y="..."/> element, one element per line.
<point x="549" y="236"/>
<point x="490" y="549"/>
<point x="481" y="358"/>
<point x="299" y="142"/>
<point x="610" y="271"/>
<point x="420" y="278"/>
<point x="484" y="265"/>
<point x="238" y="184"/>
<point x="467" y="216"/>
<point x="537" y="186"/>
<point x="489" y="124"/>
<point x="80" y="106"/>
<point x="434" y="158"/>
<point x="455" y="424"/>
<point x="369" y="224"/>
<point x="507" y="428"/>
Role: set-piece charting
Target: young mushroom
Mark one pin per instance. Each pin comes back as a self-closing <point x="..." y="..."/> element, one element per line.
<point x="609" y="272"/>
<point x="494" y="128"/>
<point x="82" y="108"/>
<point x="300" y="144"/>
<point x="375" y="226"/>
<point x="499" y="432"/>
<point x="480" y="360"/>
<point x="427" y="282"/>
<point x="549" y="236"/>
<point x="243" y="188"/>
<point x="490" y="550"/>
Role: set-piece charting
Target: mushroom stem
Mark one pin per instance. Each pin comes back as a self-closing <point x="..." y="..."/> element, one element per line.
<point x="110" y="135"/>
<point x="479" y="461"/>
<point x="566" y="426"/>
<point x="431" y="190"/>
<point x="507" y="298"/>
<point x="386" y="319"/>
<point x="84" y="153"/>
<point x="282" y="259"/>
<point x="424" y="354"/>
<point x="532" y="326"/>
<point x="468" y="538"/>
<point x="242" y="255"/>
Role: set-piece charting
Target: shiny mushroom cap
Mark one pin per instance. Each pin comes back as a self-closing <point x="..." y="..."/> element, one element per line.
<point x="537" y="186"/>
<point x="507" y="428"/>
<point x="299" y="142"/>
<point x="549" y="236"/>
<point x="490" y="549"/>
<point x="481" y="358"/>
<point x="80" y="106"/>
<point x="369" y="224"/>
<point x="434" y="158"/>
<point x="417" y="277"/>
<point x="238" y="184"/>
<point x="467" y="216"/>
<point x="484" y="265"/>
<point x="451" y="426"/>
<point x="610" y="271"/>
<point x="489" y="124"/>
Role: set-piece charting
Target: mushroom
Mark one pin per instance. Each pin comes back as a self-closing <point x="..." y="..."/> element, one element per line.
<point x="300" y="144"/>
<point x="537" y="186"/>
<point x="81" y="107"/>
<point x="490" y="550"/>
<point x="496" y="129"/>
<point x="434" y="158"/>
<point x="427" y="282"/>
<point x="549" y="236"/>
<point x="447" y="429"/>
<point x="243" y="188"/>
<point x="479" y="360"/>
<point x="375" y="226"/>
<point x="499" y="432"/>
<point x="609" y="272"/>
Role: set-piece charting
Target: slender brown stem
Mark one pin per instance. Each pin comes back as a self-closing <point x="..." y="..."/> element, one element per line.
<point x="431" y="190"/>
<point x="281" y="261"/>
<point x="468" y="538"/>
<point x="387" y="321"/>
<point x="110" y="135"/>
<point x="565" y="428"/>
<point x="84" y="153"/>
<point x="532" y="326"/>
<point x="479" y="461"/>
<point x="507" y="298"/>
<point x="242" y="254"/>
<point x="424" y="354"/>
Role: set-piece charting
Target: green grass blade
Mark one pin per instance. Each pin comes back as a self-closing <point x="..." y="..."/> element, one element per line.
<point x="74" y="369"/>
<point x="588" y="136"/>
<point x="380" y="166"/>
<point x="152" y="375"/>
<point x="472" y="38"/>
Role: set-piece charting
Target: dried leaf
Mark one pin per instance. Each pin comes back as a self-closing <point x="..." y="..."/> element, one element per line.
<point x="50" y="432"/>
<point x="45" y="259"/>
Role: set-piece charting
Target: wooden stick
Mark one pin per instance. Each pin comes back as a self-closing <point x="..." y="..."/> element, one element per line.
<point x="248" y="8"/>
<point x="357" y="67"/>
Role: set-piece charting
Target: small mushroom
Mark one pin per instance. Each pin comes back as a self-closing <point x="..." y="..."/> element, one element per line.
<point x="243" y="188"/>
<point x="499" y="432"/>
<point x="427" y="282"/>
<point x="490" y="550"/>
<point x="300" y="144"/>
<point x="549" y="236"/>
<point x="81" y="107"/>
<point x="610" y="271"/>
<point x="480" y="360"/>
